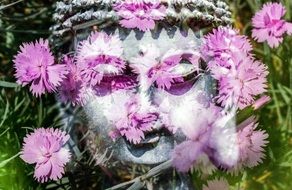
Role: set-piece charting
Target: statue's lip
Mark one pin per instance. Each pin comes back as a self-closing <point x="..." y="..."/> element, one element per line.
<point x="151" y="138"/>
<point x="150" y="145"/>
<point x="153" y="149"/>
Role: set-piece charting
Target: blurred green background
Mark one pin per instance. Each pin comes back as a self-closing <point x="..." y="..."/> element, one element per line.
<point x="20" y="111"/>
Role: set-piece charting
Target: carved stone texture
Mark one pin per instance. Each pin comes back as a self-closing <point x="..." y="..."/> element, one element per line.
<point x="70" y="13"/>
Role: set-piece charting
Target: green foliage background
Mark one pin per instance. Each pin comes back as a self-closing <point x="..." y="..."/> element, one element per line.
<point x="20" y="111"/>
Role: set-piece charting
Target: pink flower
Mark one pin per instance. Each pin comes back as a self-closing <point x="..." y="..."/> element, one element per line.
<point x="139" y="119"/>
<point x="98" y="55"/>
<point x="239" y="86"/>
<point x="140" y="14"/>
<point x="223" y="44"/>
<point x="201" y="120"/>
<point x="204" y="166"/>
<point x="259" y="103"/>
<point x="114" y="134"/>
<point x="35" y="64"/>
<point x="198" y="131"/>
<point x="251" y="143"/>
<point x="161" y="73"/>
<point x="217" y="184"/>
<point x="289" y="28"/>
<point x="72" y="89"/>
<point x="134" y="127"/>
<point x="161" y="69"/>
<point x="230" y="61"/>
<point x="185" y="154"/>
<point x="44" y="147"/>
<point x="268" y="25"/>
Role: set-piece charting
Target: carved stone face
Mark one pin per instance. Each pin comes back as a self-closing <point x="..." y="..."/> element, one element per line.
<point x="169" y="107"/>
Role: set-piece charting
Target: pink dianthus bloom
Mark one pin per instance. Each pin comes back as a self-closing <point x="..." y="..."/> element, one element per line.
<point x="198" y="131"/>
<point x="230" y="61"/>
<point x="217" y="184"/>
<point x="269" y="25"/>
<point x="44" y="147"/>
<point x="138" y="119"/>
<point x="239" y="86"/>
<point x="251" y="144"/>
<point x="161" y="69"/>
<point x="140" y="14"/>
<point x="98" y="55"/>
<point x="224" y="43"/>
<point x="72" y="89"/>
<point x="161" y="73"/>
<point x="185" y="155"/>
<point x="262" y="101"/>
<point x="35" y="64"/>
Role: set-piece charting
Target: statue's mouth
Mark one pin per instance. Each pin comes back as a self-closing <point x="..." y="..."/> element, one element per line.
<point x="151" y="141"/>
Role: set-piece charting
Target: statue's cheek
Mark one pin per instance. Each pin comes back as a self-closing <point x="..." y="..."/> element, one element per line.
<point x="178" y="104"/>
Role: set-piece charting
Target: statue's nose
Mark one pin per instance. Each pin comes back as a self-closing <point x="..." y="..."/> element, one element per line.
<point x="145" y="91"/>
<point x="141" y="104"/>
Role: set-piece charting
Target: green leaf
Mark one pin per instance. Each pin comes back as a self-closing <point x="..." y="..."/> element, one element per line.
<point x="9" y="5"/>
<point x="4" y="162"/>
<point x="8" y="84"/>
<point x="283" y="92"/>
<point x="288" y="90"/>
<point x="286" y="164"/>
<point x="244" y="114"/>
<point x="5" y="114"/>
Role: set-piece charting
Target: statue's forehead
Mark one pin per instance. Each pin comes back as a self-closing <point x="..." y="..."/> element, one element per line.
<point x="134" y="41"/>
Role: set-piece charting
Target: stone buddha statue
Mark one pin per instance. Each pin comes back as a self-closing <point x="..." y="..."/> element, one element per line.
<point x="125" y="119"/>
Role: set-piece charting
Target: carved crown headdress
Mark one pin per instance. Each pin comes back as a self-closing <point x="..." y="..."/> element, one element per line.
<point x="79" y="14"/>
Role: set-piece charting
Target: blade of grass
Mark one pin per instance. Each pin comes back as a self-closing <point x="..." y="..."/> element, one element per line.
<point x="27" y="104"/>
<point x="8" y="84"/>
<point x="288" y="118"/>
<point x="9" y="5"/>
<point x="40" y="113"/>
<point x="287" y="5"/>
<point x="285" y="97"/>
<point x="253" y="5"/>
<point x="4" y="132"/>
<point x="4" y="162"/>
<point x="5" y="114"/>
<point x="275" y="98"/>
<point x="19" y="105"/>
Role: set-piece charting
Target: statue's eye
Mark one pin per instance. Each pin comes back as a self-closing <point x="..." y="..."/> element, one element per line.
<point x="185" y="69"/>
<point x="127" y="80"/>
<point x="111" y="83"/>
<point x="189" y="74"/>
